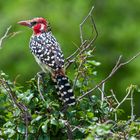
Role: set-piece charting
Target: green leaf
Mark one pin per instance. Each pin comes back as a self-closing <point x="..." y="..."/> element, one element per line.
<point x="9" y="132"/>
<point x="32" y="129"/>
<point x="45" y="126"/>
<point x="44" y="137"/>
<point x="21" y="128"/>
<point x="133" y="138"/>
<point x="62" y="123"/>
<point x="36" y="119"/>
<point x="8" y="124"/>
<point x="93" y="62"/>
<point x="54" y="121"/>
<point x="90" y="115"/>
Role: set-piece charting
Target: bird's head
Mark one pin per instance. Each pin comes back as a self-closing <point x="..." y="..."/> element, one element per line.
<point x="38" y="25"/>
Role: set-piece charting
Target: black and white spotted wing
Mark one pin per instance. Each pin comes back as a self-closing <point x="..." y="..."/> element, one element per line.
<point x="49" y="56"/>
<point x="47" y="50"/>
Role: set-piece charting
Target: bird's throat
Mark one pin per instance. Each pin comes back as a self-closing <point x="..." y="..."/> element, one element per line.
<point x="39" y="28"/>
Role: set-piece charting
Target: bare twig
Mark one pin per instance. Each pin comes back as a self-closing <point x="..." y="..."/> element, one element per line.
<point x="15" y="80"/>
<point x="126" y="96"/>
<point x="132" y="107"/>
<point x="13" y="34"/>
<point x="114" y="96"/>
<point x="26" y="130"/>
<point x="117" y="64"/>
<point x="12" y="95"/>
<point x="5" y="35"/>
<point x="102" y="93"/>
<point x="116" y="67"/>
<point x="130" y="92"/>
<point x="82" y="61"/>
<point x="76" y="127"/>
<point x="69" y="57"/>
<point x="78" y="70"/>
<point x="82" y="23"/>
<point x="76" y="77"/>
<point x="38" y="85"/>
<point x="69" y="131"/>
<point x="84" y="44"/>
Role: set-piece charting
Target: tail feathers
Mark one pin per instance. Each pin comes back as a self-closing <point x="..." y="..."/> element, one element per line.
<point x="64" y="90"/>
<point x="58" y="92"/>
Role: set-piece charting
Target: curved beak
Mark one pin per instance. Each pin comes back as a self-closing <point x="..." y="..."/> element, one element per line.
<point x="25" y="23"/>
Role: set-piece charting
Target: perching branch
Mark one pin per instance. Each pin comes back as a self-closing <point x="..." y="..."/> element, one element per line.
<point x="39" y="77"/>
<point x="114" y="70"/>
<point x="69" y="131"/>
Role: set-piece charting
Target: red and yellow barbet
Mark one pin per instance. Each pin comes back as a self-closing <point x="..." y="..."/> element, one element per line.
<point x="49" y="56"/>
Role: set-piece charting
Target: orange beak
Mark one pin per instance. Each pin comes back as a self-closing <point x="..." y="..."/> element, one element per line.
<point x="25" y="23"/>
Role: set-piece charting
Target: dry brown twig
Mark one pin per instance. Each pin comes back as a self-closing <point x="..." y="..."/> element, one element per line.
<point x="13" y="34"/>
<point x="4" y="36"/>
<point x="85" y="45"/>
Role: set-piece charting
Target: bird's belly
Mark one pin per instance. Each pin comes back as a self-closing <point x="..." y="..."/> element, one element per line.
<point x="44" y="67"/>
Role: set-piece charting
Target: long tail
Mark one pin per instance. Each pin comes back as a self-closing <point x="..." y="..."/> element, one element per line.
<point x="65" y="91"/>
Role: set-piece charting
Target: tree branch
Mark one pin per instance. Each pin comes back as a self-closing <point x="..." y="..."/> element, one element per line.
<point x="69" y="131"/>
<point x="84" y="43"/>
<point x="5" y="35"/>
<point x="115" y="68"/>
<point x="39" y="76"/>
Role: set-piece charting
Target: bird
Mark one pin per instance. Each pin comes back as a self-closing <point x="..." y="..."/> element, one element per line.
<point x="48" y="54"/>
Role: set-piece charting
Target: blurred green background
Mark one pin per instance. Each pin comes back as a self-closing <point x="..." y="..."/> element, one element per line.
<point x="117" y="23"/>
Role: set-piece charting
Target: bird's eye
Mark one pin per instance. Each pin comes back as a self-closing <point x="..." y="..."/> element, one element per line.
<point x="33" y="23"/>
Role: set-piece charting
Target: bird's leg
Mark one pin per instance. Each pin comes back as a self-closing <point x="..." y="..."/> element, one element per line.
<point x="64" y="108"/>
<point x="40" y="76"/>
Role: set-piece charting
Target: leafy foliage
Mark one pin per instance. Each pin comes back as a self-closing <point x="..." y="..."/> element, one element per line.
<point x="39" y="119"/>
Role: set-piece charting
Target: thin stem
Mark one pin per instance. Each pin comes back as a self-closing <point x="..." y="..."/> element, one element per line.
<point x="4" y="36"/>
<point x="115" y="68"/>
<point x="114" y="96"/>
<point x="38" y="85"/>
<point x="83" y="46"/>
<point x="132" y="107"/>
<point x="120" y="103"/>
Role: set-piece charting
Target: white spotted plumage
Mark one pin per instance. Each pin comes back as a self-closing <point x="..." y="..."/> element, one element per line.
<point x="46" y="53"/>
<point x="49" y="56"/>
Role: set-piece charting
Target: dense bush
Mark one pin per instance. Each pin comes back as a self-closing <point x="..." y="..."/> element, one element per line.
<point x="35" y="112"/>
